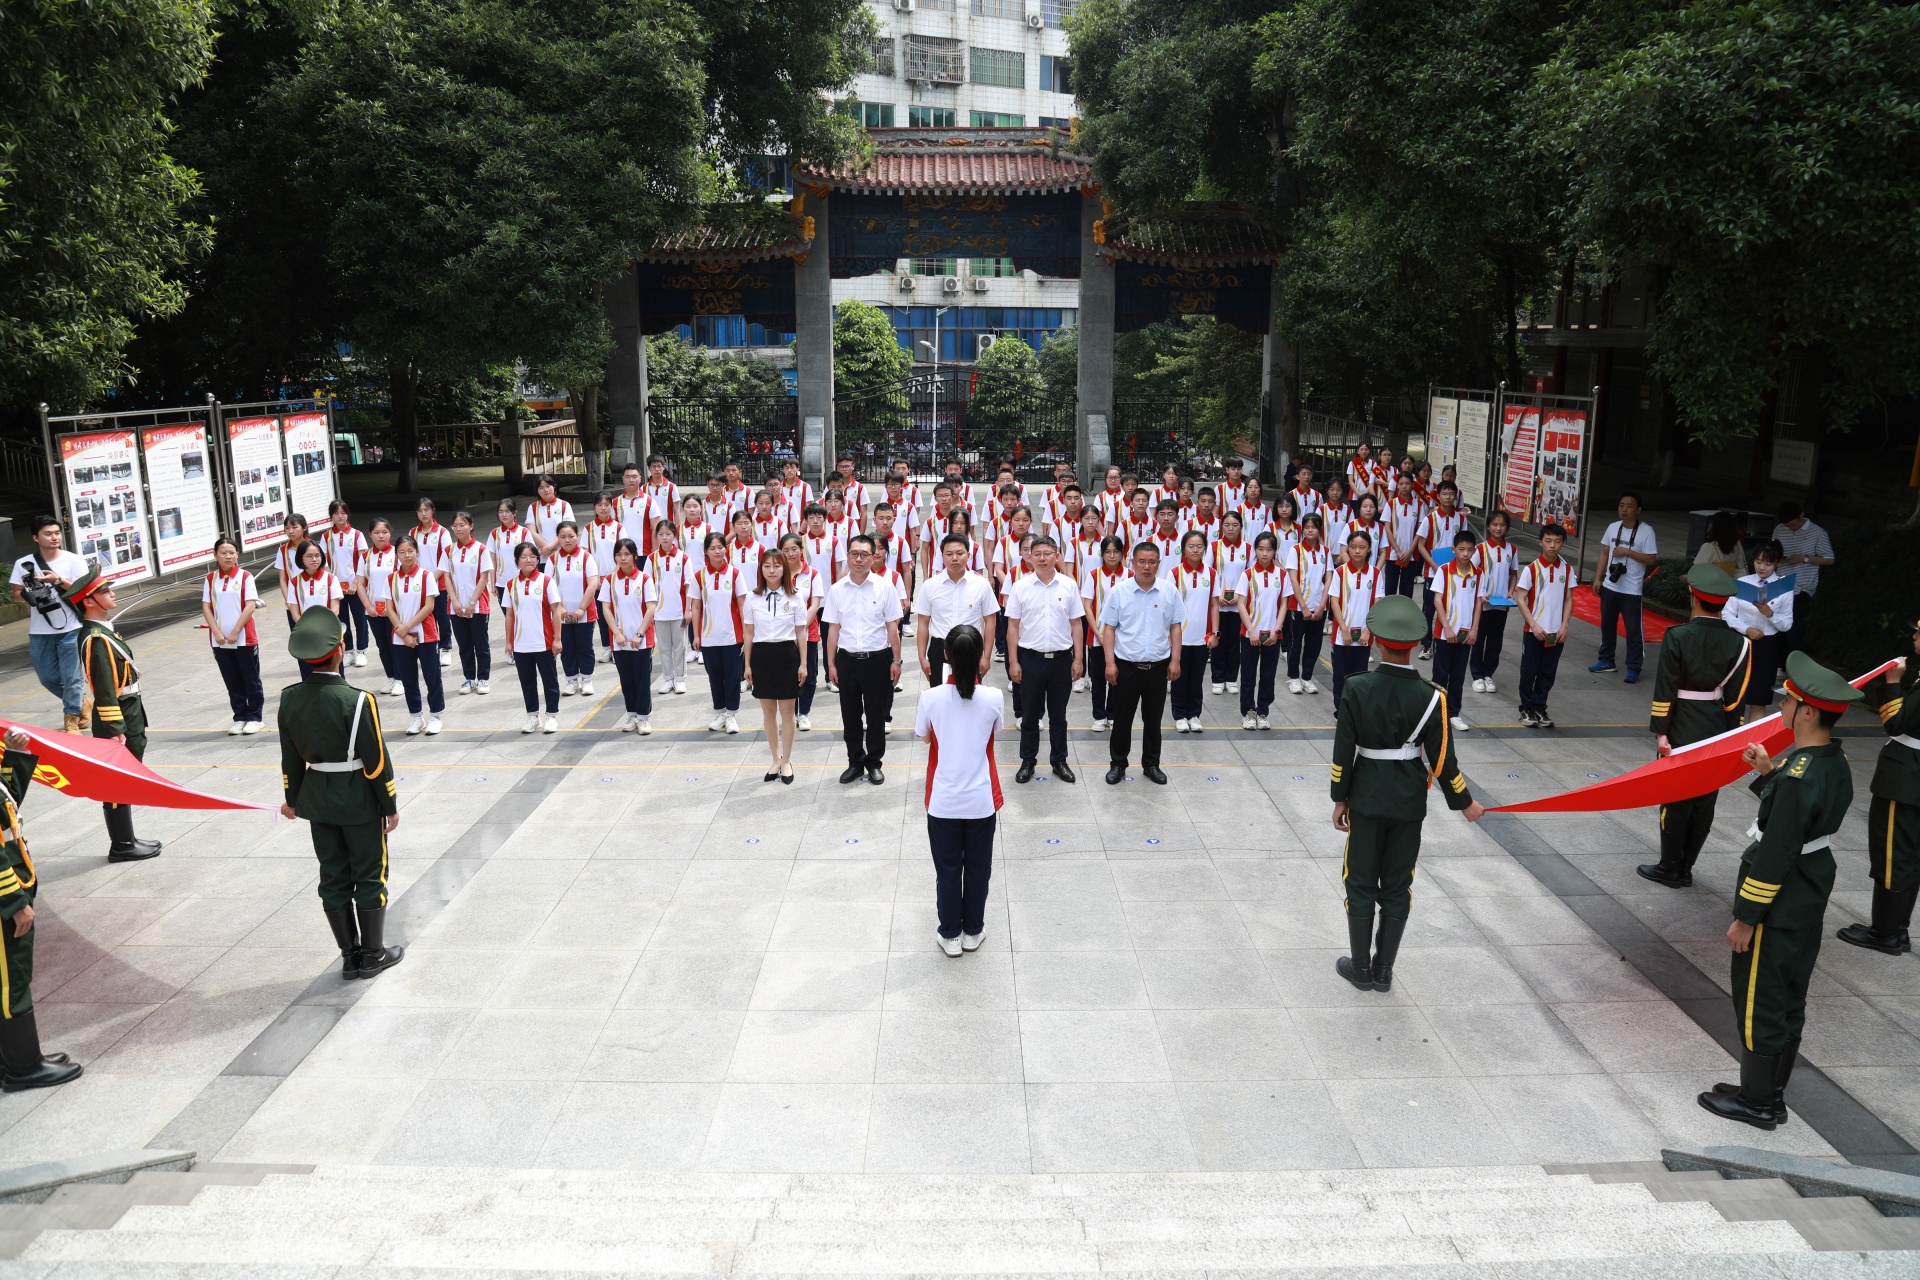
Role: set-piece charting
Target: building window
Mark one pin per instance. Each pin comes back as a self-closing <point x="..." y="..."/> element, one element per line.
<point x="993" y="267"/>
<point x="931" y="117"/>
<point x="997" y="9"/>
<point x="961" y="328"/>
<point x="871" y="115"/>
<point x="1062" y="123"/>
<point x="944" y="6"/>
<point x="997" y="120"/>
<point x="936" y="60"/>
<point x="1056" y="74"/>
<point x="883" y="57"/>
<point x="730" y="331"/>
<point x="1004" y="67"/>
<point x="935" y="266"/>
<point x="1053" y="12"/>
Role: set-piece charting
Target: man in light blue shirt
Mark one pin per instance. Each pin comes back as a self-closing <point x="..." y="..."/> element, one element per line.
<point x="1139" y="630"/>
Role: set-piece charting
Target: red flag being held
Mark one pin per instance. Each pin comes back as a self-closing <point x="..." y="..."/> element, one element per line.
<point x="1692" y="770"/>
<point x="103" y="769"/>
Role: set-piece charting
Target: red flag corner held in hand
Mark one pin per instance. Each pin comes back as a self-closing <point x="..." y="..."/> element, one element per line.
<point x="103" y="769"/>
<point x="1692" y="770"/>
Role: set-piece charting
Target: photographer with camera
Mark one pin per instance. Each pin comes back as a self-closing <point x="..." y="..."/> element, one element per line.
<point x="40" y="581"/>
<point x="1625" y="554"/>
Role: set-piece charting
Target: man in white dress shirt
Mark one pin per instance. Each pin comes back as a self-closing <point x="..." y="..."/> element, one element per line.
<point x="862" y="614"/>
<point x="948" y="599"/>
<point x="1046" y="649"/>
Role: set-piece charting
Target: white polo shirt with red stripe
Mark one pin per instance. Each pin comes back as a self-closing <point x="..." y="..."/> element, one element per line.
<point x="530" y="599"/>
<point x="962" y="779"/>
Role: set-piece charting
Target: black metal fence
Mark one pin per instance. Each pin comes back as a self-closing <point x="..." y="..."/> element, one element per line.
<point x="698" y="437"/>
<point x="1151" y="431"/>
<point x="976" y="417"/>
<point x="1328" y="443"/>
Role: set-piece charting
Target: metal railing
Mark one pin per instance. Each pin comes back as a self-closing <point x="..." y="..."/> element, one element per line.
<point x="552" y="448"/>
<point x="1328" y="443"/>
<point x="450" y="442"/>
<point x="1150" y="432"/>
<point x="23" y="468"/>
<point x="699" y="437"/>
<point x="977" y="418"/>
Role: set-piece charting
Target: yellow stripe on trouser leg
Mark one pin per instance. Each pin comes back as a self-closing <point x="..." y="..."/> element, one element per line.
<point x="1893" y="814"/>
<point x="1753" y="981"/>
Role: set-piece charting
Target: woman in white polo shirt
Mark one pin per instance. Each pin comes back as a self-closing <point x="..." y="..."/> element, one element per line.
<point x="632" y="596"/>
<point x="416" y="635"/>
<point x="669" y="566"/>
<point x="533" y="637"/>
<point x="957" y="721"/>
<point x="227" y="602"/>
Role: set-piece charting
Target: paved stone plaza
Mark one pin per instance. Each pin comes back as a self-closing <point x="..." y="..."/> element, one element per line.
<point x="635" y="954"/>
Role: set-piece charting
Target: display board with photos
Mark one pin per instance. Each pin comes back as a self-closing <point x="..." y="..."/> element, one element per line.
<point x="309" y="441"/>
<point x="186" y="514"/>
<point x="259" y="479"/>
<point x="102" y="472"/>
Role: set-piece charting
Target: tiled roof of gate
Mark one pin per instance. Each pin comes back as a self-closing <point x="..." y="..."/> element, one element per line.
<point x="738" y="233"/>
<point x="969" y="162"/>
<point x="1199" y="236"/>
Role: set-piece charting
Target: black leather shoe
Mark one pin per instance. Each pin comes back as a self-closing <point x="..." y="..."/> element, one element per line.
<point x="1358" y="974"/>
<point x="1116" y="775"/>
<point x="853" y="773"/>
<point x="20" y="1043"/>
<point x="1861" y="935"/>
<point x="1063" y="772"/>
<point x="1661" y="873"/>
<point x="1024" y="774"/>
<point x="136" y="852"/>
<point x="1154" y="773"/>
<point x="1753" y="1102"/>
<point x="874" y="775"/>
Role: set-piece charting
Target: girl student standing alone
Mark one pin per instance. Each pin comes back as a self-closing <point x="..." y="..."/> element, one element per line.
<point x="714" y="596"/>
<point x="772" y="624"/>
<point x="416" y="636"/>
<point x="375" y="589"/>
<point x="346" y="553"/>
<point x="667" y="566"/>
<point x="958" y="721"/>
<point x="812" y="584"/>
<point x="1495" y="560"/>
<point x="1101" y="575"/>
<point x="228" y="600"/>
<point x="435" y="545"/>
<point x="469" y="581"/>
<point x="1265" y="609"/>
<point x="533" y="637"/>
<point x="573" y="569"/>
<point x="1310" y="567"/>
<point x="1197" y="585"/>
<point x="630" y="601"/>
<point x="1352" y="591"/>
<point x="313" y="587"/>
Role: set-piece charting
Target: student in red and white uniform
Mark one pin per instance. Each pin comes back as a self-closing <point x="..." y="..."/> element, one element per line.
<point x="435" y="545"/>
<point x="1268" y="585"/>
<point x="375" y="589"/>
<point x="1385" y="477"/>
<point x="1229" y="554"/>
<point x="906" y="504"/>
<point x="631" y="509"/>
<point x="1166" y="530"/>
<point x="284" y="562"/>
<point x="1306" y="499"/>
<point x="768" y="523"/>
<point x="600" y="538"/>
<point x="572" y="568"/>
<point x="893" y="548"/>
<point x="546" y="514"/>
<point x="717" y="505"/>
<point x="857" y="496"/>
<point x="533" y="636"/>
<point x="1309" y="568"/>
<point x="789" y="503"/>
<point x="1458" y="596"/>
<point x="1111" y="502"/>
<point x="1437" y="532"/>
<point x="939" y="523"/>
<point x="1188" y="507"/>
<point x="1197" y="584"/>
<point x="228" y="600"/>
<point x="1403" y="517"/>
<point x="1099" y="575"/>
<point x="1544" y="591"/>
<point x="714" y="596"/>
<point x="1083" y="552"/>
<point x="1286" y="528"/>
<point x="1205" y="516"/>
<point x="958" y="721"/>
<point x="843" y="521"/>
<point x="1352" y="590"/>
<point x="416" y="636"/>
<point x="1359" y="477"/>
<point x="663" y="498"/>
<point x="798" y="493"/>
<point x="1232" y="492"/>
<point x="668" y="566"/>
<point x="1137" y="525"/>
<point x="1495" y="560"/>
<point x="510" y="533"/>
<point x="825" y="552"/>
<point x="901" y="497"/>
<point x="811" y="587"/>
<point x="744" y="548"/>
<point x="1336" y="513"/>
<point x="346" y="549"/>
<point x="469" y="583"/>
<point x="1366" y="519"/>
<point x="977" y="554"/>
<point x="313" y="587"/>
<point x="1423" y="486"/>
<point x="693" y="529"/>
<point x="630" y="602"/>
<point x="1168" y="490"/>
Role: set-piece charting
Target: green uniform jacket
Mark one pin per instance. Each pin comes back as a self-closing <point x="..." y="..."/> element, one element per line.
<point x="109" y="667"/>
<point x="1897" y="775"/>
<point x="1804" y="798"/>
<point x="316" y="718"/>
<point x="1379" y="710"/>
<point x="1700" y="656"/>
<point x="18" y="880"/>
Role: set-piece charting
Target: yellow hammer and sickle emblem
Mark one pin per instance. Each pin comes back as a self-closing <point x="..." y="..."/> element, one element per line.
<point x="51" y="776"/>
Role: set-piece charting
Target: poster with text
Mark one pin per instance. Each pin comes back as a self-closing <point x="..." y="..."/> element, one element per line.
<point x="259" y="479"/>
<point x="1470" y="442"/>
<point x="310" y="465"/>
<point x="180" y="482"/>
<point x="1562" y="445"/>
<point x="1520" y="429"/>
<point x="109" y="512"/>
<point x="1442" y="414"/>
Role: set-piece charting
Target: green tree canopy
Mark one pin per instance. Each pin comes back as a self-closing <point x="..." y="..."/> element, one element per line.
<point x="866" y="355"/>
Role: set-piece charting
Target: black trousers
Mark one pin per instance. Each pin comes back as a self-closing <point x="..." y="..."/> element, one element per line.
<point x="1539" y="664"/>
<point x="1258" y="666"/>
<point x="476" y="654"/>
<point x="1348" y="660"/>
<point x="536" y="671"/>
<point x="381" y="630"/>
<point x="1142" y="686"/>
<point x="1045" y="685"/>
<point x="420" y="665"/>
<point x="866" y="699"/>
<point x="442" y="611"/>
<point x="1621" y="611"/>
<point x="1402" y="577"/>
<point x="1684" y="828"/>
<point x="1189" y="691"/>
<point x="240" y="669"/>
<point x="962" y="866"/>
<point x="1450" y="672"/>
<point x="1303" y="646"/>
<point x="353" y="622"/>
<point x="1485" y="659"/>
<point x="1097" y="680"/>
<point x="936" y="662"/>
<point x="803" y="705"/>
<point x="1226" y="653"/>
<point x="576" y="649"/>
<point x="636" y="679"/>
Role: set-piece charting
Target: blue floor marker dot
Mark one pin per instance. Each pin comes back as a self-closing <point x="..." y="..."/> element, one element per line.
<point x="1593" y="775"/>
<point x="483" y="777"/>
<point x="1513" y="775"/>
<point x="1053" y="839"/>
<point x="693" y="779"/>
<point x="1153" y="840"/>
<point x="1299" y="777"/>
<point x="1212" y="778"/>
<point x="753" y="839"/>
<point x="606" y="779"/>
<point x="851" y="840"/>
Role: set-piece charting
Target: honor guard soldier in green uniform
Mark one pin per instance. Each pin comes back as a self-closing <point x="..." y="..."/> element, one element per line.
<point x="1786" y="876"/>
<point x="1388" y="718"/>
<point x="113" y="691"/>
<point x="22" y="1066"/>
<point x="334" y="765"/>
<point x="1893" y="814"/>
<point x="1699" y="691"/>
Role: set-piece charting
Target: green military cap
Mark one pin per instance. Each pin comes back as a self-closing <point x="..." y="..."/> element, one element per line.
<point x="85" y="585"/>
<point x="1816" y="686"/>
<point x="1711" y="583"/>
<point x="316" y="635"/>
<point x="1396" y="620"/>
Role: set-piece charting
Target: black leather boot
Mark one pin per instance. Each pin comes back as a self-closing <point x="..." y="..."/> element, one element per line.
<point x="375" y="955"/>
<point x="1787" y="1059"/>
<point x="1900" y="916"/>
<point x="1660" y="873"/>
<point x="1753" y="1102"/>
<point x="125" y="846"/>
<point x="1386" y="949"/>
<point x="22" y="1066"/>
<point x="1357" y="966"/>
<point x="347" y="935"/>
<point x="1879" y="933"/>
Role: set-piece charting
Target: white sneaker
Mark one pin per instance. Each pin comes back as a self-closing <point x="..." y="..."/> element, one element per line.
<point x="446" y="658"/>
<point x="1233" y="686"/>
<point x="1194" y="726"/>
<point x="699" y="659"/>
<point x="1490" y="688"/>
<point x="1479" y="685"/>
<point x="718" y="723"/>
<point x="832" y="687"/>
<point x="586" y="687"/>
<point x="641" y="727"/>
<point x="550" y="725"/>
<point x="1218" y="687"/>
<point x="970" y="941"/>
<point x="1106" y="726"/>
<point x="1294" y="686"/>
<point x="624" y="724"/>
<point x="1179" y="726"/>
<point x="802" y="723"/>
<point x="733" y="725"/>
<point x="1265" y="723"/>
<point x="416" y="725"/>
<point x="679" y="686"/>
<point x="251" y="726"/>
<point x="1248" y="722"/>
<point x="360" y="658"/>
<point x="1460" y="723"/>
<point x="482" y="687"/>
<point x="238" y="725"/>
<point x="949" y="945"/>
<point x="1311" y="686"/>
<point x="466" y="687"/>
<point x="433" y="725"/>
<point x="533" y="722"/>
<point x="395" y="689"/>
<point x="1080" y="685"/>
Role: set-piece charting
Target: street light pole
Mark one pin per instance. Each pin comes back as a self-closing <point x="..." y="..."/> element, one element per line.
<point x="933" y="426"/>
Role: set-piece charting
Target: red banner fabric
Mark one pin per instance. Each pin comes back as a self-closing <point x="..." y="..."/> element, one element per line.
<point x="1586" y="607"/>
<point x="103" y="769"/>
<point x="1692" y="770"/>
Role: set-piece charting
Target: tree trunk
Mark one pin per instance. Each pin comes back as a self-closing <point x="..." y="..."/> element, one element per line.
<point x="586" y="421"/>
<point x="404" y="394"/>
<point x="1510" y="291"/>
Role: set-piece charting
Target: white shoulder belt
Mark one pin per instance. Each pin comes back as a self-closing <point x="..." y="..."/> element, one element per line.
<point x="1718" y="691"/>
<point x="1410" y="750"/>
<point x="350" y="764"/>
<point x="1811" y="846"/>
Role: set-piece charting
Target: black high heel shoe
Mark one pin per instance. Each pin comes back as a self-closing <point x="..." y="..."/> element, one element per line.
<point x="787" y="777"/>
<point x="771" y="775"/>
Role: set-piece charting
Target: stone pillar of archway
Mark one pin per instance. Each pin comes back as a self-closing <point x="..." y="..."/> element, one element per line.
<point x="626" y="371"/>
<point x="1094" y="415"/>
<point x="813" y="339"/>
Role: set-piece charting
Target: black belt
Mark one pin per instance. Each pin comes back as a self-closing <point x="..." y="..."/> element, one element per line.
<point x="1044" y="653"/>
<point x="865" y="653"/>
<point x="1142" y="666"/>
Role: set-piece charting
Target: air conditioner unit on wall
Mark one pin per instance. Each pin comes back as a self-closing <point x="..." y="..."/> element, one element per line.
<point x="906" y="284"/>
<point x="979" y="284"/>
<point x="986" y="342"/>
<point x="904" y="6"/>
<point x="1034" y="20"/>
<point x="950" y="285"/>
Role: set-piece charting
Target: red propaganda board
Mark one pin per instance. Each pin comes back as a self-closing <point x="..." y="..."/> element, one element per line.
<point x="259" y="479"/>
<point x="102" y="469"/>
<point x="1520" y="423"/>
<point x="1562" y="437"/>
